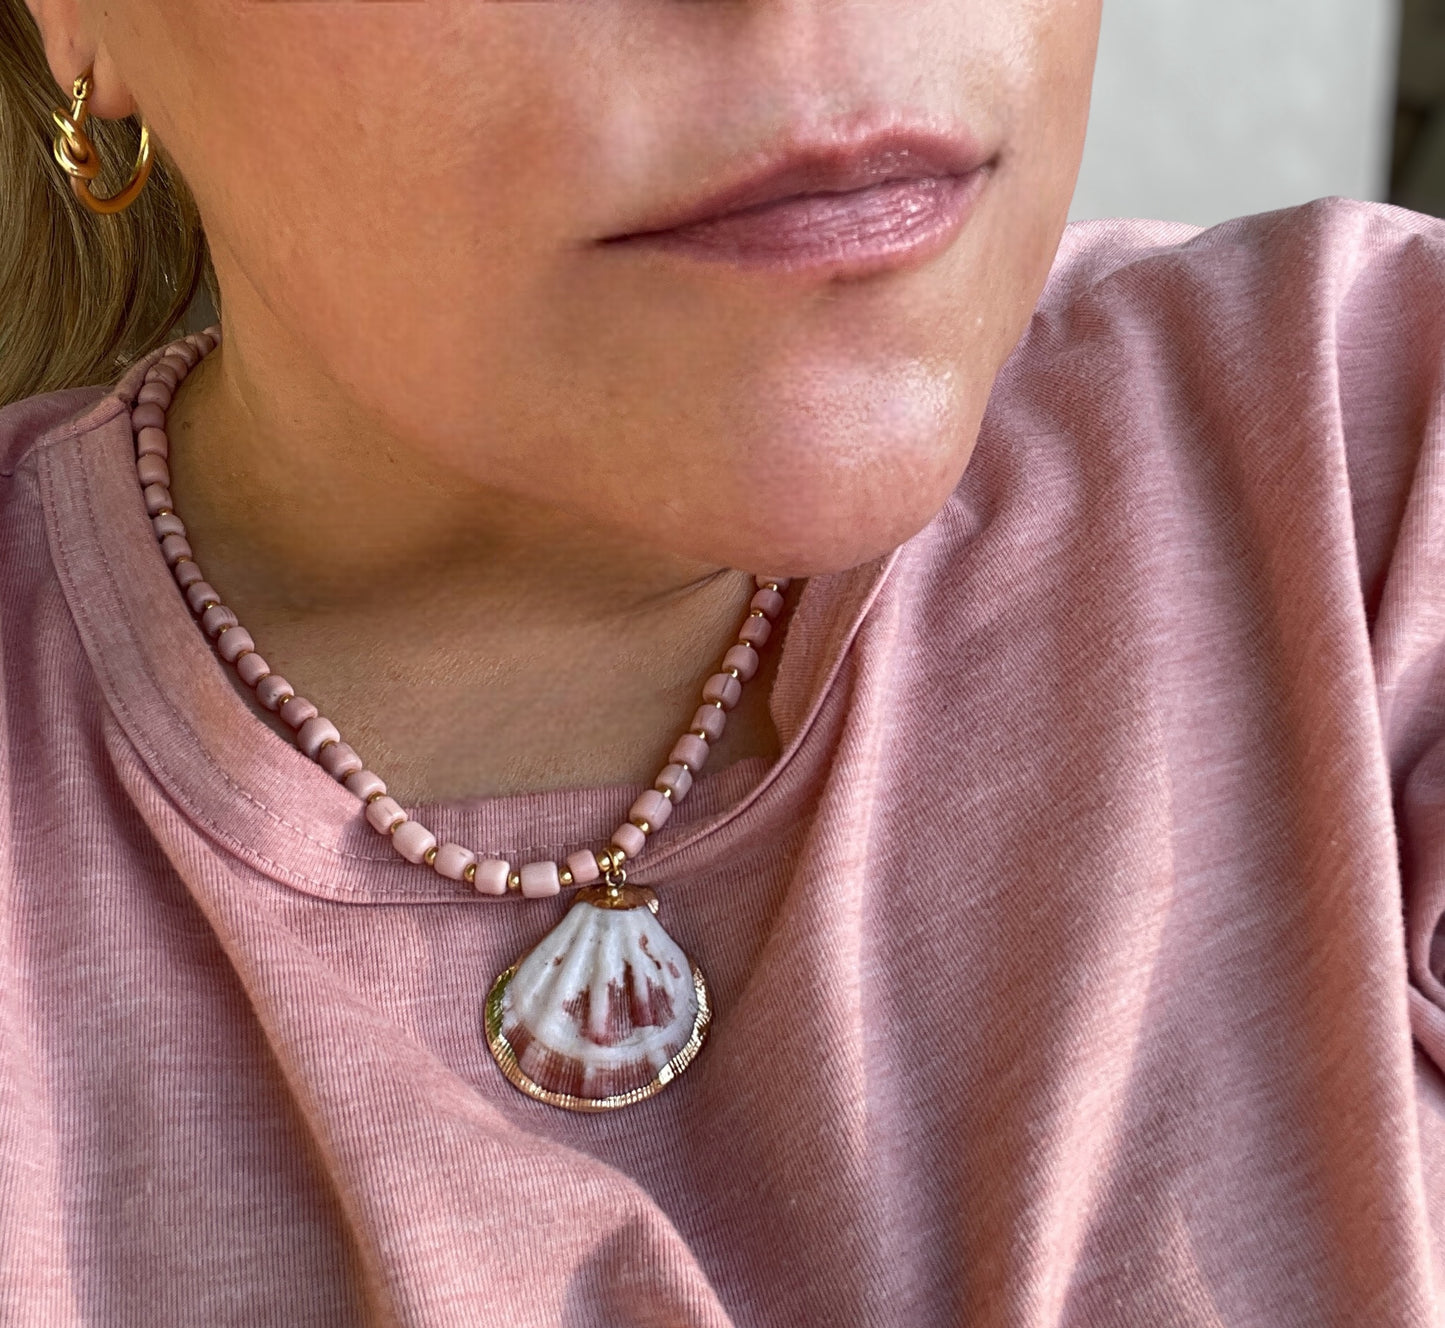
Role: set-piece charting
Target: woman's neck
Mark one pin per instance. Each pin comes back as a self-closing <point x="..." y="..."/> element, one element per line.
<point x="465" y="643"/>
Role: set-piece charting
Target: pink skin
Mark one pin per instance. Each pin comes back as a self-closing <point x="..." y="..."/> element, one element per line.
<point x="443" y="395"/>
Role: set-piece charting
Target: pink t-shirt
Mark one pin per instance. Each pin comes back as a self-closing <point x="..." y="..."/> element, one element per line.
<point x="1059" y="963"/>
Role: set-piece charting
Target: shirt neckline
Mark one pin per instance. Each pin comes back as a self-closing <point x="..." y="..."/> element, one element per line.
<point x="253" y="794"/>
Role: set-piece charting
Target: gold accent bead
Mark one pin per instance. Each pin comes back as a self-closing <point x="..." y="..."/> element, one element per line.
<point x="380" y="793"/>
<point x="757" y="613"/>
<point x="665" y="790"/>
<point x="208" y="604"/>
<point x="470" y="875"/>
<point x="641" y="823"/>
<point x="330" y="742"/>
<point x="618" y="856"/>
<point x="164" y="511"/>
<point x="717" y="705"/>
<point x="685" y="766"/>
<point x="701" y="733"/>
<point x="183" y="559"/>
<point x="734" y="673"/>
<point x="514" y="882"/>
<point x="773" y="586"/>
<point x="565" y="876"/>
<point x="430" y="856"/>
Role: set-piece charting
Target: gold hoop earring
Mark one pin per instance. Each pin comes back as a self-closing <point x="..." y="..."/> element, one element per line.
<point x="77" y="155"/>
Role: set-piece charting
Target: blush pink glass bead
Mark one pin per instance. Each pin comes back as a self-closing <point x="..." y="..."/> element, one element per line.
<point x="271" y="691"/>
<point x="176" y="547"/>
<point x="629" y="839"/>
<point x="366" y="784"/>
<point x="491" y="876"/>
<point x="252" y="668"/>
<point x="651" y="807"/>
<point x="319" y="738"/>
<point x="187" y="573"/>
<point x="233" y="643"/>
<point x="691" y="751"/>
<point x="452" y="861"/>
<point x="412" y="839"/>
<point x="152" y="442"/>
<point x="200" y="594"/>
<point x="297" y="711"/>
<point x="769" y="601"/>
<point x="755" y="631"/>
<point x="710" y="720"/>
<point x="676" y="778"/>
<point x="314" y="732"/>
<point x="539" y="879"/>
<point x="339" y="760"/>
<point x="167" y="523"/>
<point x="724" y="689"/>
<point x="216" y="619"/>
<point x="151" y="469"/>
<point x="584" y="868"/>
<point x="385" y="814"/>
<point x="744" y="659"/>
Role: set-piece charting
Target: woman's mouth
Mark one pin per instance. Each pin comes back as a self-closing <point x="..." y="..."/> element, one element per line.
<point x="893" y="201"/>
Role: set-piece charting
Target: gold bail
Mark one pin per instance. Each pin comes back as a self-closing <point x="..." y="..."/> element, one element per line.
<point x="80" y="91"/>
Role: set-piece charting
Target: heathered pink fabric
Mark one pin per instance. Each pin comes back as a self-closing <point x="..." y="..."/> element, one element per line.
<point x="1060" y="962"/>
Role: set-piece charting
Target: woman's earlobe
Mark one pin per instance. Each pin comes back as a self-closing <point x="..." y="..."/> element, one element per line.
<point x="110" y="94"/>
<point x="70" y="49"/>
<point x="111" y="97"/>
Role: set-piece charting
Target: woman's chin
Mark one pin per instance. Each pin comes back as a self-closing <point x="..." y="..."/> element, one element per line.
<point x="811" y="521"/>
<point x="842" y="476"/>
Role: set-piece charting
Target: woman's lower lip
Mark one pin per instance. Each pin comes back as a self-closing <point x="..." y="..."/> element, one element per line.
<point x="897" y="223"/>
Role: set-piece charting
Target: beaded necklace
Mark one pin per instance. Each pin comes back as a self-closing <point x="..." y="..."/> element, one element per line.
<point x="606" y="1009"/>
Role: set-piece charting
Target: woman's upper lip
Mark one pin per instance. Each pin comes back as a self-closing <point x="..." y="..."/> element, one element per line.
<point x="826" y="168"/>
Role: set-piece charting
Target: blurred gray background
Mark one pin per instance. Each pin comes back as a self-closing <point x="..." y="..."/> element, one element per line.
<point x="1208" y="109"/>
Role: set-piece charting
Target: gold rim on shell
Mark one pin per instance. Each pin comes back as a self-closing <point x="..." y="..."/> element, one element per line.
<point x="506" y="1058"/>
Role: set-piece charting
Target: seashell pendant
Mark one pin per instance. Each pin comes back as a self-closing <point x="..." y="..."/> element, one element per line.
<point x="604" y="1011"/>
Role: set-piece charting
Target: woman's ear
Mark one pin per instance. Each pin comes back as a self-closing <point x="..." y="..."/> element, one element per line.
<point x="71" y="46"/>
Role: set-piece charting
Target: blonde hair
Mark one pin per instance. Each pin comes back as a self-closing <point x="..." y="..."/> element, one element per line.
<point x="83" y="295"/>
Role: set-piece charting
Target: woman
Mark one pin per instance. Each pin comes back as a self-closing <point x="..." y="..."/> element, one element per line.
<point x="1044" y="880"/>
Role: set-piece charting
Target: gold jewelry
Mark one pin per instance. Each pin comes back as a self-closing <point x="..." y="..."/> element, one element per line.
<point x="76" y="154"/>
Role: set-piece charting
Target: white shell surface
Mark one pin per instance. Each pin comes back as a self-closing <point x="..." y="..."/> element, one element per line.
<point x="603" y="1002"/>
